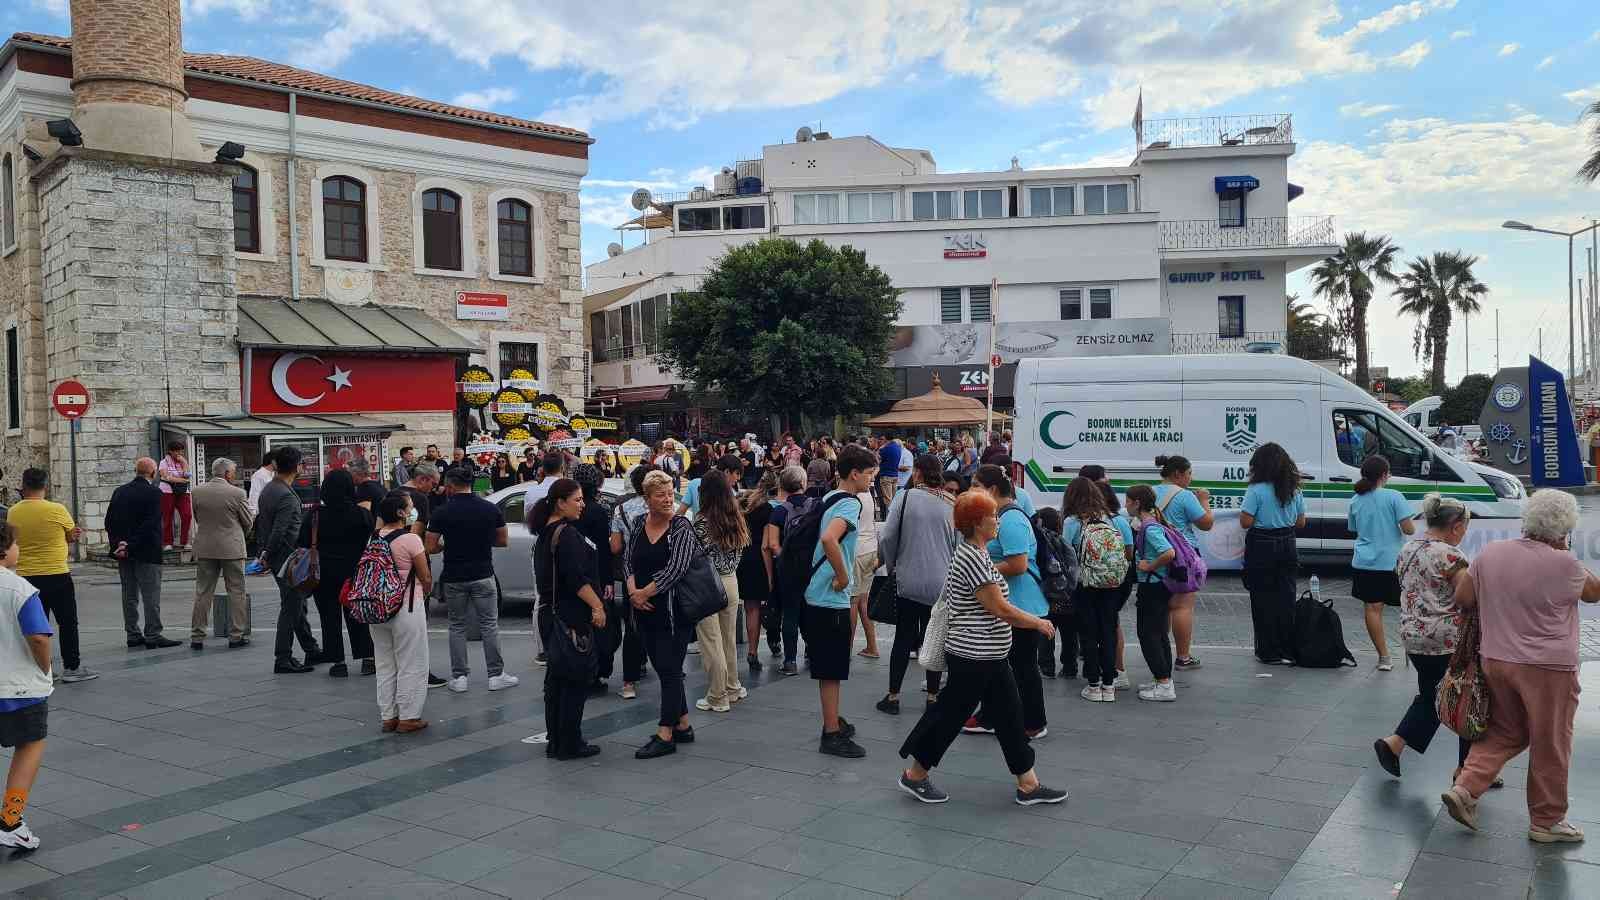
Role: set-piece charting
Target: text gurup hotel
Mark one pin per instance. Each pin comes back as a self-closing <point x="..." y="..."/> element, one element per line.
<point x="1183" y="250"/>
<point x="238" y="254"/>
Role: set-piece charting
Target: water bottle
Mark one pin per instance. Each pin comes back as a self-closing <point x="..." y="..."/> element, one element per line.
<point x="1316" y="589"/>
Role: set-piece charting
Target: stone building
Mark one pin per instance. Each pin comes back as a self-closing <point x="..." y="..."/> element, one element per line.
<point x="325" y="286"/>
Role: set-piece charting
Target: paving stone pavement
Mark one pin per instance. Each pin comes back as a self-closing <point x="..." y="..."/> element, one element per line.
<point x="181" y="774"/>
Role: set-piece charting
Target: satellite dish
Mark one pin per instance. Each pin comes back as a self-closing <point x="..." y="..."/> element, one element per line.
<point x="613" y="249"/>
<point x="802" y="135"/>
<point x="640" y="199"/>
<point x="727" y="170"/>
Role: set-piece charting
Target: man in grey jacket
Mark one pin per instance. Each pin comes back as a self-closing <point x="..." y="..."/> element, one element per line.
<point x="277" y="531"/>
<point x="221" y="519"/>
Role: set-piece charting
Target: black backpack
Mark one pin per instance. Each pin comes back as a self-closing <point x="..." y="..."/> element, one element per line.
<point x="802" y="531"/>
<point x="1058" y="564"/>
<point x="1319" y="635"/>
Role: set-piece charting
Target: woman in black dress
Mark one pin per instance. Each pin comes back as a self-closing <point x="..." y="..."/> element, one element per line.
<point x="502" y="475"/>
<point x="564" y="569"/>
<point x="755" y="582"/>
<point x="342" y="529"/>
<point x="659" y="553"/>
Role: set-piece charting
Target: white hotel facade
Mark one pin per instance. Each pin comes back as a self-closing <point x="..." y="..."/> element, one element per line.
<point x="1188" y="247"/>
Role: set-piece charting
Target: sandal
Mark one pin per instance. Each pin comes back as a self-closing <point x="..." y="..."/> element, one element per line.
<point x="868" y="654"/>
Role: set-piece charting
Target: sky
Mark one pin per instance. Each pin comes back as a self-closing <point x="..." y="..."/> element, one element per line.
<point x="1431" y="121"/>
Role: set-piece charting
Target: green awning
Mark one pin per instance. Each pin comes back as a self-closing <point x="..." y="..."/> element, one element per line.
<point x="247" y="426"/>
<point x="282" y="324"/>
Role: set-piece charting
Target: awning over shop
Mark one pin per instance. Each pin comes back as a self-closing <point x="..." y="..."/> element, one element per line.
<point x="322" y="325"/>
<point x="1236" y="183"/>
<point x="1295" y="190"/>
<point x="247" y="426"/>
<point x="651" y="394"/>
<point x="595" y="302"/>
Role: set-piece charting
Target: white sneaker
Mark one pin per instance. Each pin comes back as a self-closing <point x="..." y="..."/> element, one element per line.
<point x="1090" y="692"/>
<point x="694" y="647"/>
<point x="705" y="705"/>
<point x="1161" y="693"/>
<point x="1561" y="832"/>
<point x="1121" y="682"/>
<point x="743" y="693"/>
<point x="22" y="836"/>
<point x="627" y="692"/>
<point x="1108" y="694"/>
<point x="458" y="685"/>
<point x="502" y="681"/>
<point x="1384" y="665"/>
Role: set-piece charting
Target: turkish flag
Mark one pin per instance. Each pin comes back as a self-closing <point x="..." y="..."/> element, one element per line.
<point x="310" y="383"/>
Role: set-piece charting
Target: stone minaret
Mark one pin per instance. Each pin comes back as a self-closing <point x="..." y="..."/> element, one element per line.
<point x="136" y="250"/>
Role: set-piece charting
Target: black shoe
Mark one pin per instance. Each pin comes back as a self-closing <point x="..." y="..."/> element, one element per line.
<point x="158" y="643"/>
<point x="235" y="645"/>
<point x="837" y="744"/>
<point x="338" y="670"/>
<point x="892" y="707"/>
<point x="1040" y="794"/>
<point x="923" y="790"/>
<point x="790" y="668"/>
<point x="435" y="681"/>
<point x="197" y="645"/>
<point x="683" y="735"/>
<point x="369" y="667"/>
<point x="656" y="748"/>
<point x="541" y="659"/>
<point x="846" y="729"/>
<point x="1386" y="757"/>
<point x="583" y="752"/>
<point x="136" y="643"/>
<point x="290" y="666"/>
<point x="316" y="658"/>
<point x="754" y="661"/>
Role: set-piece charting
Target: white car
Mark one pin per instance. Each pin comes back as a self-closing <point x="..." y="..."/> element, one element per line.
<point x="513" y="563"/>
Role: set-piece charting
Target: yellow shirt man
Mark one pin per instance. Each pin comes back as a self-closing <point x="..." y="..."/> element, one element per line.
<point x="42" y="528"/>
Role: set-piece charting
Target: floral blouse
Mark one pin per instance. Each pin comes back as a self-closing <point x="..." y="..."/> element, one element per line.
<point x="1428" y="613"/>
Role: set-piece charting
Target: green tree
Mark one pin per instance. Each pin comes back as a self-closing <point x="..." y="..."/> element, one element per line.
<point x="1347" y="280"/>
<point x="1462" y="404"/>
<point x="1590" y="170"/>
<point x="1433" y="289"/>
<point x="1410" y="388"/>
<point x="787" y="327"/>
<point x="1311" y="335"/>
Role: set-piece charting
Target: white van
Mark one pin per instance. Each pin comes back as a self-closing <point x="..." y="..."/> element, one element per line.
<point x="1122" y="412"/>
<point x="1423" y="415"/>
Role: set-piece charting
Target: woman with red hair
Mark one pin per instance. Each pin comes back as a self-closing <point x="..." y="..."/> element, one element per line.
<point x="977" y="646"/>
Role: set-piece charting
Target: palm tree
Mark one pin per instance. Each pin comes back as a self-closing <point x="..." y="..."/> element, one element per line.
<point x="1347" y="279"/>
<point x="1433" y="289"/>
<point x="1590" y="170"/>
<point x="1311" y="335"/>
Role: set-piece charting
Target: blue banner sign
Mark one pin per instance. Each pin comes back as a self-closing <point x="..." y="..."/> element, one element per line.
<point x="1556" y="461"/>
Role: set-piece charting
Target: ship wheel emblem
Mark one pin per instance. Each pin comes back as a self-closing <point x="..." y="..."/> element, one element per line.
<point x="1501" y="432"/>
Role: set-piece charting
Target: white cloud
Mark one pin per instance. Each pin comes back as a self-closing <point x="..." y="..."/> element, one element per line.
<point x="487" y="98"/>
<point x="1583" y="95"/>
<point x="1546" y="63"/>
<point x="1460" y="33"/>
<point x="1508" y="49"/>
<point x="674" y="63"/>
<point x="605" y="202"/>
<point x="1366" y="110"/>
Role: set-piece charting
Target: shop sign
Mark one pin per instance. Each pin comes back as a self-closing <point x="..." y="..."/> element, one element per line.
<point x="967" y="344"/>
<point x="1208" y="277"/>
<point x="309" y="383"/>
<point x="967" y="245"/>
<point x="482" y="306"/>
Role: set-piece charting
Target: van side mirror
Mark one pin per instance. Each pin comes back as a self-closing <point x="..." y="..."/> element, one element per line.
<point x="1427" y="467"/>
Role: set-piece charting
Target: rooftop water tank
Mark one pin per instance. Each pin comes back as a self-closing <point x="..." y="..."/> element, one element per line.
<point x="724" y="183"/>
<point x="747" y="168"/>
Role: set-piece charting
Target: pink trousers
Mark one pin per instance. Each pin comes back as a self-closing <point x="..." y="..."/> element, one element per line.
<point x="1529" y="709"/>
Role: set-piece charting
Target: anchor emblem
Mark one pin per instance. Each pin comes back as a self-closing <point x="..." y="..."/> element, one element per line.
<point x="1518" y="454"/>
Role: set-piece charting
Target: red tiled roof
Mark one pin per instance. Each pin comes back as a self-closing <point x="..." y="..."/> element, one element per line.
<point x="248" y="68"/>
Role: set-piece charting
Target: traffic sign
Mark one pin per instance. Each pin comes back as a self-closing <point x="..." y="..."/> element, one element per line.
<point x="70" y="399"/>
<point x="994" y="361"/>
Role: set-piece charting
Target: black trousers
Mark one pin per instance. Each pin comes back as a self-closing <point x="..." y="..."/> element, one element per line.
<point x="666" y="649"/>
<point x="60" y="600"/>
<point x="1153" y="615"/>
<point x="1024" y="660"/>
<point x="1067" y="632"/>
<point x="334" y="621"/>
<point x="793" y="608"/>
<point x="1421" y="720"/>
<point x="563" y="712"/>
<point x="292" y="623"/>
<point x="1095" y="609"/>
<point x="911" y="621"/>
<point x="1271" y="563"/>
<point x="972" y="682"/>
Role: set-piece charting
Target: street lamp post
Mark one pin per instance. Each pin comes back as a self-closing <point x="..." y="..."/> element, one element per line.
<point x="1572" y="355"/>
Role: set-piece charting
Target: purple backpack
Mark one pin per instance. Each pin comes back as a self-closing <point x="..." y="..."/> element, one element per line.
<point x="1186" y="574"/>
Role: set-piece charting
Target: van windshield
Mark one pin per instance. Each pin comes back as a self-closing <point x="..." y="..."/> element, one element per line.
<point x="1359" y="433"/>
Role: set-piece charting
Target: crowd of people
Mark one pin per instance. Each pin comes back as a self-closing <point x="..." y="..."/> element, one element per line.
<point x="810" y="544"/>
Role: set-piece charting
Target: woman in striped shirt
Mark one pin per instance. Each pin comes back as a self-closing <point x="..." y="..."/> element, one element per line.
<point x="977" y="644"/>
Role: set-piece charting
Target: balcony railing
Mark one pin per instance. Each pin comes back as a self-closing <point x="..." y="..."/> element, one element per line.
<point x="1249" y="341"/>
<point x="1280" y="232"/>
<point x="1216" y="131"/>
<point x="629" y="351"/>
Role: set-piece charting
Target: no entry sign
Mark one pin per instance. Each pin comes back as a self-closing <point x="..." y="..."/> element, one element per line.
<point x="70" y="399"/>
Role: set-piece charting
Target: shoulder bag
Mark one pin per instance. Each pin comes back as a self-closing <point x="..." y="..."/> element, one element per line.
<point x="931" y="654"/>
<point x="698" y="594"/>
<point x="571" y="653"/>
<point x="884" y="600"/>
<point x="304" y="568"/>
<point x="1463" y="699"/>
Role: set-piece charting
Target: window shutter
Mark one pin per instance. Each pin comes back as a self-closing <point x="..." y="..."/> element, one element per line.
<point x="950" y="305"/>
<point x="978" y="298"/>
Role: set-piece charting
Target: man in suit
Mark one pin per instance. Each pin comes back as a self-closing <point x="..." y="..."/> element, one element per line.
<point x="133" y="525"/>
<point x="221" y="519"/>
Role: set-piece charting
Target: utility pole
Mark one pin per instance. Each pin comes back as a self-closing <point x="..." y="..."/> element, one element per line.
<point x="1583" y="332"/>
<point x="1497" y="340"/>
<point x="1466" y="323"/>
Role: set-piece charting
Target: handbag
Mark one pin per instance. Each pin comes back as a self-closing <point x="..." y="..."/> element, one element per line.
<point x="304" y="569"/>
<point x="699" y="593"/>
<point x="571" y="654"/>
<point x="1462" y="702"/>
<point x="931" y="654"/>
<point x="884" y="600"/>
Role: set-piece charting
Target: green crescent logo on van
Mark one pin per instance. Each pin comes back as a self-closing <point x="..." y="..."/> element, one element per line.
<point x="1044" y="430"/>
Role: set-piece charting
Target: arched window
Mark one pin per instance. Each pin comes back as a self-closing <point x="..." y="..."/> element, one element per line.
<point x="8" y="195"/>
<point x="247" y="212"/>
<point x="344" y="219"/>
<point x="441" y="230"/>
<point x="516" y="237"/>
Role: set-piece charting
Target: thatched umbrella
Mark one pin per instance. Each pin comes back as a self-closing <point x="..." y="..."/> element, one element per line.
<point x="935" y="409"/>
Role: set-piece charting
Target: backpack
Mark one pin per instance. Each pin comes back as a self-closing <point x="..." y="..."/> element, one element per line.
<point x="375" y="593"/>
<point x="1319" y="635"/>
<point x="802" y="532"/>
<point x="1187" y="572"/>
<point x="1058" y="564"/>
<point x="1102" y="556"/>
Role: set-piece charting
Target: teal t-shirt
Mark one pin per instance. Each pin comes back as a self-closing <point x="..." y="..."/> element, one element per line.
<point x="1375" y="518"/>
<point x="1024" y="502"/>
<point x="1261" y="501"/>
<point x="691" y="495"/>
<point x="1184" y="510"/>
<point x="819" y="591"/>
<point x="1016" y="536"/>
<point x="1153" y="544"/>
